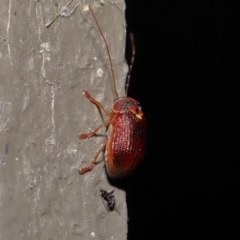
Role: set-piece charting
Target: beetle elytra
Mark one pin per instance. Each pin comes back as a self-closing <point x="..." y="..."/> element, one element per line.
<point x="127" y="127"/>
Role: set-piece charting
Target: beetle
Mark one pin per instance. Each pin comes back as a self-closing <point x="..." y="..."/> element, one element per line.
<point x="127" y="127"/>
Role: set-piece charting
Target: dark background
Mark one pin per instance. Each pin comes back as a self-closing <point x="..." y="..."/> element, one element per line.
<point x="186" y="77"/>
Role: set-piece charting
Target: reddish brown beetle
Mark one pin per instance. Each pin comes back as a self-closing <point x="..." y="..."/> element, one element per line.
<point x="127" y="128"/>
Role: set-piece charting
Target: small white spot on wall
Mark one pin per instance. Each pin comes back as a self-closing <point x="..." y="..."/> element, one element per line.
<point x="100" y="72"/>
<point x="86" y="8"/>
<point x="46" y="46"/>
<point x="72" y="148"/>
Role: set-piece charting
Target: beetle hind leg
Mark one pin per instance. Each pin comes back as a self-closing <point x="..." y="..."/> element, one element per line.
<point x="92" y="164"/>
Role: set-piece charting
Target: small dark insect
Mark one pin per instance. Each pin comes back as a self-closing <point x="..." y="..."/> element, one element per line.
<point x="109" y="198"/>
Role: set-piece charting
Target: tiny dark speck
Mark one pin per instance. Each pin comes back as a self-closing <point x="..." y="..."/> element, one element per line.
<point x="6" y="148"/>
<point x="15" y="13"/>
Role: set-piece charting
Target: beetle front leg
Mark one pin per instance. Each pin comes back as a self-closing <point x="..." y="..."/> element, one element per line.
<point x="87" y="135"/>
<point x="92" y="164"/>
<point x="97" y="103"/>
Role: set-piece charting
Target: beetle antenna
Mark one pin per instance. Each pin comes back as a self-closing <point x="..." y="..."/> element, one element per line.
<point x="109" y="57"/>
<point x="131" y="63"/>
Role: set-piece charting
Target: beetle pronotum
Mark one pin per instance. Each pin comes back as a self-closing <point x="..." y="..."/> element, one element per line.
<point x="127" y="127"/>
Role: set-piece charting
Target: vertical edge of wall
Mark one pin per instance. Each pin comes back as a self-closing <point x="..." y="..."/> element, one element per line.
<point x="42" y="111"/>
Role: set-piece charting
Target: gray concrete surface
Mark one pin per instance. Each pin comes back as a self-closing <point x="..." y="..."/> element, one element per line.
<point x="42" y="110"/>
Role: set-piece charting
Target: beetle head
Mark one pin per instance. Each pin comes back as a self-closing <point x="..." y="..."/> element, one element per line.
<point x="127" y="104"/>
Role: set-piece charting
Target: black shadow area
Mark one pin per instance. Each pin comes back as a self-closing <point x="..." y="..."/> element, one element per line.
<point x="186" y="78"/>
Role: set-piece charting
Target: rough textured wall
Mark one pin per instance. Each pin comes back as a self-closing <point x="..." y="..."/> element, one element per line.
<point x="42" y="111"/>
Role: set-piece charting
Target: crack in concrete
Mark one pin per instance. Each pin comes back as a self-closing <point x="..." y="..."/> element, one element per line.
<point x="46" y="48"/>
<point x="64" y="12"/>
<point x="25" y="104"/>
<point x="4" y="124"/>
<point x="51" y="140"/>
<point x="8" y="26"/>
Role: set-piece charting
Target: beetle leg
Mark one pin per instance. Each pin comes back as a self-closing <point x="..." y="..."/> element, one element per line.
<point x="97" y="103"/>
<point x="87" y="135"/>
<point x="92" y="164"/>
